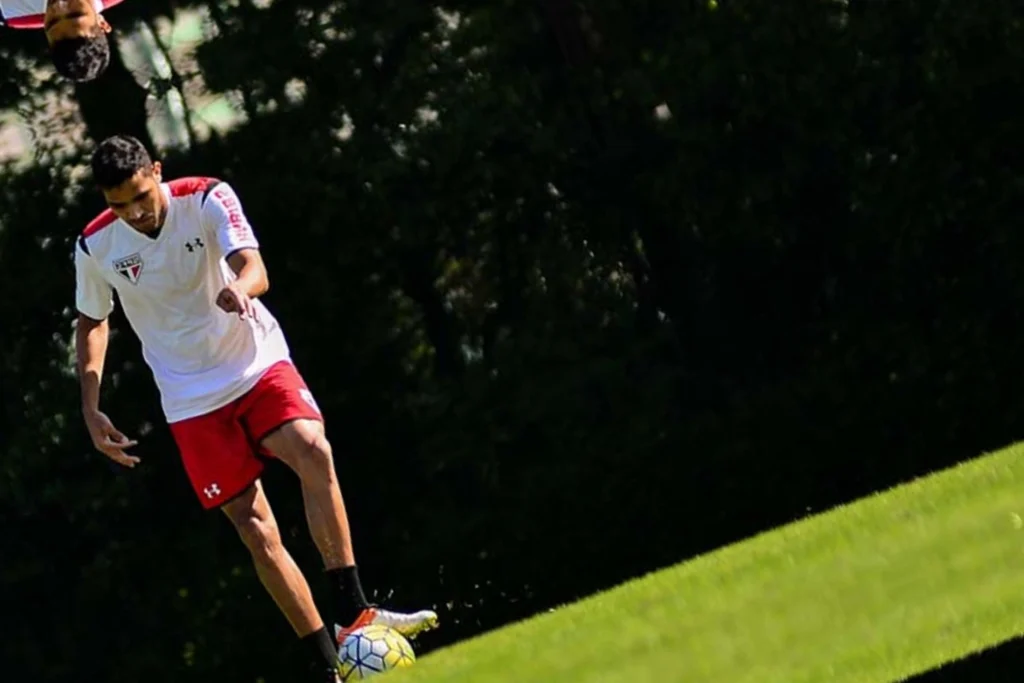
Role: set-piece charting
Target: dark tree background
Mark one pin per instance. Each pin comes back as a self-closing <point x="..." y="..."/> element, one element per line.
<point x="584" y="289"/>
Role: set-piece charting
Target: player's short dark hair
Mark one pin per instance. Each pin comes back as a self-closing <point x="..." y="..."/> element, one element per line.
<point x="81" y="59"/>
<point x="117" y="159"/>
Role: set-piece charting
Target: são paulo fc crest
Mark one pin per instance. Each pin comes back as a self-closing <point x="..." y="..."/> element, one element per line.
<point x="130" y="268"/>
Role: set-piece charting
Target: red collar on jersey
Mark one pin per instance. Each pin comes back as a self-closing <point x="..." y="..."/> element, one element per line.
<point x="181" y="187"/>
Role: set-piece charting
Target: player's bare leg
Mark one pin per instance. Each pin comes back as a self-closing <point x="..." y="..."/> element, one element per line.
<point x="252" y="517"/>
<point x="303" y="446"/>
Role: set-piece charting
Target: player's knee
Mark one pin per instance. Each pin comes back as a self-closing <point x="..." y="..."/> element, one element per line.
<point x="260" y="535"/>
<point x="317" y="457"/>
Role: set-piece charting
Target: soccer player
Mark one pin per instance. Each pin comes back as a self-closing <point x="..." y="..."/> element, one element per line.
<point x="187" y="269"/>
<point x="75" y="29"/>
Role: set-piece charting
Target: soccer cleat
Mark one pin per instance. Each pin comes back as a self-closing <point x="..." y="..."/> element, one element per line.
<point x="333" y="675"/>
<point x="409" y="625"/>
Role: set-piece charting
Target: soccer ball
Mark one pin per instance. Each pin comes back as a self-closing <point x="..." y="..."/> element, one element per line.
<point x="373" y="649"/>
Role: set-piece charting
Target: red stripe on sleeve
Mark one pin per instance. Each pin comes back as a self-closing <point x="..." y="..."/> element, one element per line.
<point x="183" y="187"/>
<point x="103" y="220"/>
<point x="27" y="21"/>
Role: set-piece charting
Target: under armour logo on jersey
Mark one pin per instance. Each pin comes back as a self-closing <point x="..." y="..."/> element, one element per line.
<point x="307" y="396"/>
<point x="194" y="244"/>
<point x="212" y="491"/>
<point x="130" y="268"/>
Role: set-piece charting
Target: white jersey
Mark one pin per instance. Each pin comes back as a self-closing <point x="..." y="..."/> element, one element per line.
<point x="202" y="358"/>
<point x="30" y="13"/>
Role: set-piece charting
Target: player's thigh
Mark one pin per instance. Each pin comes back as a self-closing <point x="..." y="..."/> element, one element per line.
<point x="220" y="460"/>
<point x="301" y="444"/>
<point x="281" y="415"/>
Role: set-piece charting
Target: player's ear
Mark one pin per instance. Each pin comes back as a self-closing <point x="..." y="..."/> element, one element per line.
<point x="105" y="25"/>
<point x="157" y="171"/>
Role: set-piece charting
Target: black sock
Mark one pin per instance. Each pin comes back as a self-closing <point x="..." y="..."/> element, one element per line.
<point x="347" y="594"/>
<point x="322" y="645"/>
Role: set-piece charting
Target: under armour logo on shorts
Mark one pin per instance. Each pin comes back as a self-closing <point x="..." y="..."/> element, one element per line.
<point x="211" y="491"/>
<point x="307" y="396"/>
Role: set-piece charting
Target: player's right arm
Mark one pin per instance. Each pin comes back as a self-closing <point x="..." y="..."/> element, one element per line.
<point x="94" y="300"/>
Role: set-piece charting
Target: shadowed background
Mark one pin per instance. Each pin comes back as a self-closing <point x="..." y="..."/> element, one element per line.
<point x="584" y="289"/>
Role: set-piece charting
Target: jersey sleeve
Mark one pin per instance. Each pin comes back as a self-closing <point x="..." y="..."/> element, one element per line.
<point x="224" y="220"/>
<point x="22" y="13"/>
<point x="94" y="297"/>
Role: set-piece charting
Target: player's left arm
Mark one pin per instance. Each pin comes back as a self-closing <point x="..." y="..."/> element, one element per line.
<point x="247" y="264"/>
<point x="225" y="221"/>
<point x="251" y="282"/>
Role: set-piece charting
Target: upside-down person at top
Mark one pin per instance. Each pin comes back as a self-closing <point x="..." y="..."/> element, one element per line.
<point x="75" y="29"/>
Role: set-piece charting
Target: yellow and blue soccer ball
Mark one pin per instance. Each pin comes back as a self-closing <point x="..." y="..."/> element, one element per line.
<point x="373" y="649"/>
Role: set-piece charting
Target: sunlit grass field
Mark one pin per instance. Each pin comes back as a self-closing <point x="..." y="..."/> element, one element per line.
<point x="878" y="590"/>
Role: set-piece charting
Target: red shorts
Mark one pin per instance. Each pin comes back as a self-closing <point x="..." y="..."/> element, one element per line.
<point x="221" y="450"/>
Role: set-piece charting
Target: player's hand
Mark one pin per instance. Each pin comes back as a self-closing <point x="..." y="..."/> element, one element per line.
<point x="108" y="440"/>
<point x="233" y="299"/>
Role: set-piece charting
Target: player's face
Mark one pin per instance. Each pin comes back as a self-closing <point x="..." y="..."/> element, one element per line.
<point x="138" y="201"/>
<point x="73" y="19"/>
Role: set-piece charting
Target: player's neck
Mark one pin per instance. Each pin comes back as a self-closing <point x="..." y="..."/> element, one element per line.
<point x="154" y="232"/>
